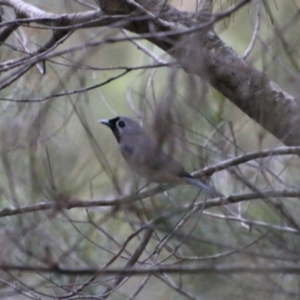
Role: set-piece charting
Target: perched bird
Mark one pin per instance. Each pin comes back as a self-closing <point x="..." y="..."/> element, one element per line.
<point x="147" y="158"/>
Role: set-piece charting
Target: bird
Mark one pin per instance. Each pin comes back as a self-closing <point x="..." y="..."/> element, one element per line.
<point x="146" y="158"/>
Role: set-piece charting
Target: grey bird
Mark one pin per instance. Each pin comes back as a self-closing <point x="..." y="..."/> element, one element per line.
<point x="146" y="158"/>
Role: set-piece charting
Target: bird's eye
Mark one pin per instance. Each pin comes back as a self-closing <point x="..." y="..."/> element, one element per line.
<point x="121" y="124"/>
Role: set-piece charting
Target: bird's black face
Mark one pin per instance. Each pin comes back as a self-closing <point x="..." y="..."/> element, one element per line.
<point x="123" y="127"/>
<point x="118" y="125"/>
<point x="112" y="124"/>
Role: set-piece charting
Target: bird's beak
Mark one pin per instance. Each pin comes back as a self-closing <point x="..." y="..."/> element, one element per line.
<point x="105" y="122"/>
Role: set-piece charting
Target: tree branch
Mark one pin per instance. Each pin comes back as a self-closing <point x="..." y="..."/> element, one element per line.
<point x="42" y="206"/>
<point x="170" y="269"/>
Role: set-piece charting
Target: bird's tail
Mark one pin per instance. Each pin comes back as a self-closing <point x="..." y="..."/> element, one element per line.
<point x="202" y="186"/>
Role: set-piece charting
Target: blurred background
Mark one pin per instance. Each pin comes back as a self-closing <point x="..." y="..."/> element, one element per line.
<point x="53" y="150"/>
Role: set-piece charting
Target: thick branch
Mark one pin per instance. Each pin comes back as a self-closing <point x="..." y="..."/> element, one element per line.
<point x="203" y="53"/>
